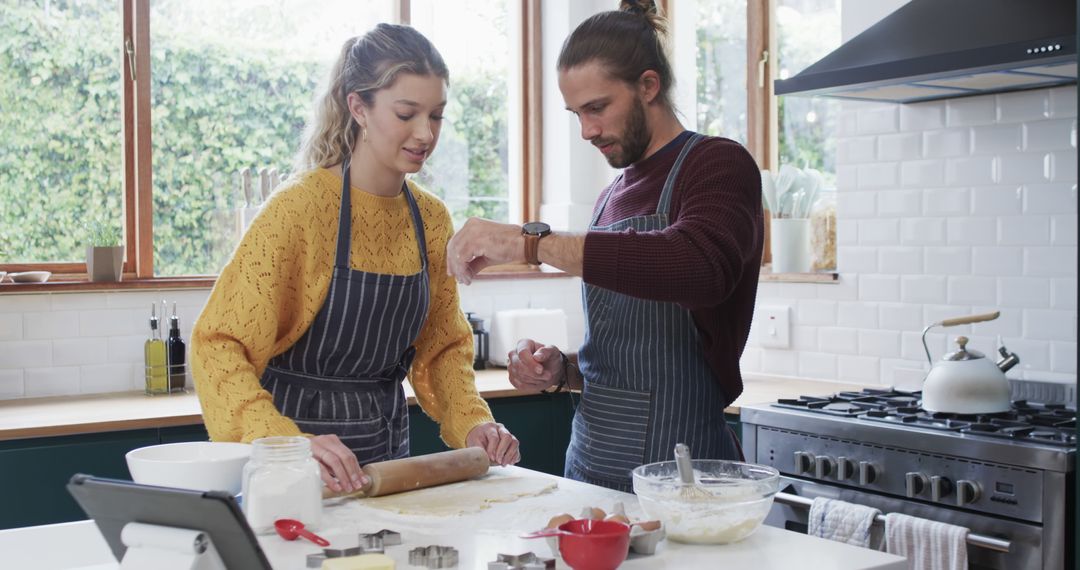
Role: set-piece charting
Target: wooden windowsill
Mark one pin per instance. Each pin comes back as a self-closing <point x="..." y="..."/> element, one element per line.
<point x="815" y="277"/>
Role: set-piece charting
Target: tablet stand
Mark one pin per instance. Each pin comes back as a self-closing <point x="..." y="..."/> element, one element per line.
<point x="168" y="548"/>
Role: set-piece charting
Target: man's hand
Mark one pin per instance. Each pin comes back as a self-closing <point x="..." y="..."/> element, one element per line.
<point x="480" y="243"/>
<point x="501" y="445"/>
<point x="338" y="466"/>
<point x="534" y="367"/>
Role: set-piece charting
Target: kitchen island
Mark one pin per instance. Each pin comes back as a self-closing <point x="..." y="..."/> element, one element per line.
<point x="479" y="537"/>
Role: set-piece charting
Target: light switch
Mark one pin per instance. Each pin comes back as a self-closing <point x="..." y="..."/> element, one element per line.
<point x="775" y="326"/>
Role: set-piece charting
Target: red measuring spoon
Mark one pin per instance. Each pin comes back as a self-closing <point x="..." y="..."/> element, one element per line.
<point x="289" y="529"/>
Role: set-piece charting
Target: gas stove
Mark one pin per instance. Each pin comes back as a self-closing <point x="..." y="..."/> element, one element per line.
<point x="1008" y="475"/>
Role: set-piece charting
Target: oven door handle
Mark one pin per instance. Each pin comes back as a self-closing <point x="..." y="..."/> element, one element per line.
<point x="980" y="540"/>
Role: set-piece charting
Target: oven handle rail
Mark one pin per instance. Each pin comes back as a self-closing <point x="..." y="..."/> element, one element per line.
<point x="973" y="539"/>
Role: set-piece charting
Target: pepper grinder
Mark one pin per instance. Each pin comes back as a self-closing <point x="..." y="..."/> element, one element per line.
<point x="480" y="341"/>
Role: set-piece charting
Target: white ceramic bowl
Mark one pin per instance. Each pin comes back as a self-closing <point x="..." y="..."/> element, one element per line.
<point x="30" y="277"/>
<point x="728" y="503"/>
<point x="199" y="465"/>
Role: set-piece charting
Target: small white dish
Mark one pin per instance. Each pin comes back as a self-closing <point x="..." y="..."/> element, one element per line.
<point x="30" y="276"/>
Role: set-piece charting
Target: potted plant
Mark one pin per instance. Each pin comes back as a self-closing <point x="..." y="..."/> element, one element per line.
<point x="104" y="252"/>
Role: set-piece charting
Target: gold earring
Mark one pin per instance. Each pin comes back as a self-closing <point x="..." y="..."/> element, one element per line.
<point x="363" y="133"/>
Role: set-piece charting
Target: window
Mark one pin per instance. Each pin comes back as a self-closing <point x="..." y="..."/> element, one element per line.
<point x="174" y="119"/>
<point x="721" y="65"/>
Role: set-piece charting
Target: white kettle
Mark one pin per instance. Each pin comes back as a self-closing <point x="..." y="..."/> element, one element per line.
<point x="965" y="381"/>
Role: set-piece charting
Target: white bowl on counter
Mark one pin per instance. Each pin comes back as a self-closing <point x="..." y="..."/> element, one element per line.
<point x="198" y="465"/>
<point x="729" y="501"/>
<point x="30" y="276"/>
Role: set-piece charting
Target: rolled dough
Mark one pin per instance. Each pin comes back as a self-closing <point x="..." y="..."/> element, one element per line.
<point x="464" y="497"/>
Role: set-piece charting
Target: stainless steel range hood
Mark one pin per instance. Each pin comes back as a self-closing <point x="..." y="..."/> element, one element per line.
<point x="938" y="49"/>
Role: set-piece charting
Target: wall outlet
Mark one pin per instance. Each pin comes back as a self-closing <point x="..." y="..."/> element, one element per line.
<point x="774" y="323"/>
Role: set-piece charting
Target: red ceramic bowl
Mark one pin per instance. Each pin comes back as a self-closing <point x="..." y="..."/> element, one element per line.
<point x="594" y="545"/>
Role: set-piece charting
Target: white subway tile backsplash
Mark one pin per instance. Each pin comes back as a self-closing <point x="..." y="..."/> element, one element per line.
<point x="947" y="260"/>
<point x="1023" y="292"/>
<point x="997" y="200"/>
<point x="978" y="110"/>
<point x="49" y="325"/>
<point x="922" y="116"/>
<point x="899" y="203"/>
<point x="901" y="260"/>
<point x="902" y="146"/>
<point x="875" y="119"/>
<point x="105" y="378"/>
<point x="879" y="232"/>
<point x="1045" y="324"/>
<point x="750" y="361"/>
<point x="1027" y="168"/>
<point x="1063" y="357"/>
<point x="858" y="369"/>
<point x="57" y="381"/>
<point x="1063" y="166"/>
<point x="1034" y="354"/>
<point x="847" y="232"/>
<point x="879" y="343"/>
<point x="25" y="303"/>
<point x="968" y="290"/>
<point x="11" y="384"/>
<point x="1063" y="101"/>
<point x="77" y="351"/>
<point x="1063" y="293"/>
<point x="115" y="322"/>
<point x="1024" y="230"/>
<point x="1010" y="324"/>
<point x="858" y="149"/>
<point x="25" y="354"/>
<point x="1049" y="135"/>
<point x="1050" y="261"/>
<point x="817" y="365"/>
<point x="922" y="173"/>
<point x="922" y="231"/>
<point x="972" y="230"/>
<point x="816" y="312"/>
<point x="837" y="340"/>
<point x="946" y="202"/>
<point x="998" y="261"/>
<point x="922" y="288"/>
<point x="11" y="326"/>
<point x="902" y="374"/>
<point x="971" y="171"/>
<point x="845" y="288"/>
<point x="1023" y="106"/>
<point x="879" y="288"/>
<point x="129" y="348"/>
<point x="781" y="362"/>
<point x="878" y="175"/>
<point x="994" y="139"/>
<point x="803" y="338"/>
<point x="858" y="315"/>
<point x="1050" y="198"/>
<point x="899" y="317"/>
<point x="853" y="205"/>
<point x="911" y="346"/>
<point x="857" y="259"/>
<point x="947" y="143"/>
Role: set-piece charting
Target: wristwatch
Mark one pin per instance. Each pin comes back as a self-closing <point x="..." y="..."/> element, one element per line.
<point x="533" y="231"/>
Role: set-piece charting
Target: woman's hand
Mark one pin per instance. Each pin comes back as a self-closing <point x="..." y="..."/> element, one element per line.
<point x="339" y="468"/>
<point x="534" y="367"/>
<point x="501" y="445"/>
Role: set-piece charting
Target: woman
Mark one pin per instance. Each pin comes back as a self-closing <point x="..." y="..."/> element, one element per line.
<point x="339" y="290"/>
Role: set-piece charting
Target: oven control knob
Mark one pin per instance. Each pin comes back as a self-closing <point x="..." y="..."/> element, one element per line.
<point x="915" y="483"/>
<point x="845" y="468"/>
<point x="804" y="462"/>
<point x="967" y="492"/>
<point x="868" y="473"/>
<point x="823" y="466"/>
<point x="940" y="487"/>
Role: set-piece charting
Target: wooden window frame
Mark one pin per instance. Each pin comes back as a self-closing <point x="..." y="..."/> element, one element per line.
<point x="137" y="159"/>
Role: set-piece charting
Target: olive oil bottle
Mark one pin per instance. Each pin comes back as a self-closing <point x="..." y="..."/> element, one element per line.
<point x="157" y="374"/>
<point x="177" y="355"/>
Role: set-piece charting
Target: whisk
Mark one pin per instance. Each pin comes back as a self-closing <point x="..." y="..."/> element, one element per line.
<point x="690" y="489"/>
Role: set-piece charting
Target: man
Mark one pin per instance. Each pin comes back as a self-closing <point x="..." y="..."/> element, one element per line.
<point x="670" y="263"/>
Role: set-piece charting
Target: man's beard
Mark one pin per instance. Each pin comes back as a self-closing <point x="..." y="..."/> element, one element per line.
<point x="635" y="139"/>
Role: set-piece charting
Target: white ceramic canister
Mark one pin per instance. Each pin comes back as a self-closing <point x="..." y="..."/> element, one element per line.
<point x="281" y="481"/>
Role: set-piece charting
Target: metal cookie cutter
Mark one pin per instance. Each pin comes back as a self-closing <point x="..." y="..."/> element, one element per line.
<point x="434" y="557"/>
<point x="526" y="561"/>
<point x="380" y="539"/>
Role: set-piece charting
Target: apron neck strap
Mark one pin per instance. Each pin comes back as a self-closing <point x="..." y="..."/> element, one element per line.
<point x="344" y="237"/>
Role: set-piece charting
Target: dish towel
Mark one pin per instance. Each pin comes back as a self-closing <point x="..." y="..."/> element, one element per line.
<point x="927" y="545"/>
<point x="845" y="522"/>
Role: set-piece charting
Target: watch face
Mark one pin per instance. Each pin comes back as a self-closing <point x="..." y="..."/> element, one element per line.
<point x="536" y="229"/>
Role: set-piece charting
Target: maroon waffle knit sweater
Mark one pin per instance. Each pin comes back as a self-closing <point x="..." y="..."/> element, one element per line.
<point x="707" y="260"/>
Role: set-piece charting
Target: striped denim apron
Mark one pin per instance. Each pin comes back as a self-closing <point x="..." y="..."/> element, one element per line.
<point x="648" y="385"/>
<point x="344" y="375"/>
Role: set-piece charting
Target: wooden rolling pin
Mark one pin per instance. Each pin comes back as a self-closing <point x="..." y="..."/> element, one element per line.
<point x="411" y="473"/>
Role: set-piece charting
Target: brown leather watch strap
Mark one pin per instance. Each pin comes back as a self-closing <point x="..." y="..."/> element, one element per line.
<point x="532" y="249"/>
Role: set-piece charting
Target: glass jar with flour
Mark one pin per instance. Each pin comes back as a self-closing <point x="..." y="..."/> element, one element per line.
<point x="281" y="481"/>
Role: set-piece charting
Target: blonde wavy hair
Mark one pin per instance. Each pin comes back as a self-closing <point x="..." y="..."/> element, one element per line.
<point x="367" y="63"/>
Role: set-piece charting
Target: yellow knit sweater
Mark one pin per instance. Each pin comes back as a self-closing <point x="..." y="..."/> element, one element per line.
<point x="269" y="293"/>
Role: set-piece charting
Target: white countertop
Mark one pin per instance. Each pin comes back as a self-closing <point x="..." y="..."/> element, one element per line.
<point x="479" y="537"/>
